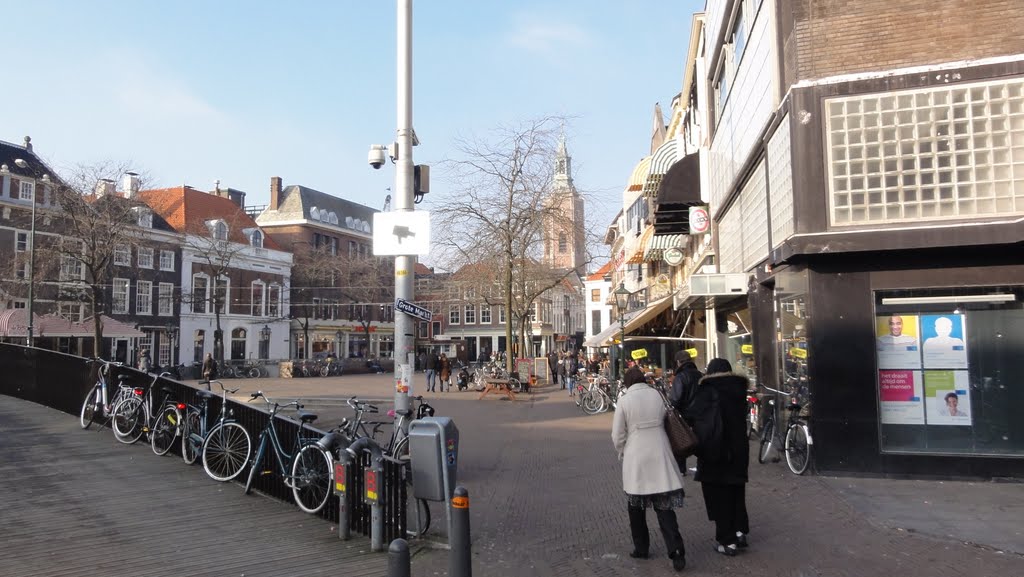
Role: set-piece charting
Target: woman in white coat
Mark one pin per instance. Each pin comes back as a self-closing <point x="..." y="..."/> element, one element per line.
<point x="650" y="474"/>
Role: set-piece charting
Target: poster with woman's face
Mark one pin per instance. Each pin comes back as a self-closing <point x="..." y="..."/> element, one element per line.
<point x="896" y="342"/>
<point x="947" y="398"/>
<point x="943" y="342"/>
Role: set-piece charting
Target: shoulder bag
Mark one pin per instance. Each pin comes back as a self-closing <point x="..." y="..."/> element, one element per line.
<point x="681" y="437"/>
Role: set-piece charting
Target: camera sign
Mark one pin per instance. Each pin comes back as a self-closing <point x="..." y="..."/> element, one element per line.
<point x="700" y="221"/>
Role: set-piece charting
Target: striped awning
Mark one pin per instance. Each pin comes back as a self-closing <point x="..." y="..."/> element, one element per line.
<point x="638" y="251"/>
<point x="660" y="243"/>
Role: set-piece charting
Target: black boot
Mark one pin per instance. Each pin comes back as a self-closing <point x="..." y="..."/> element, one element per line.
<point x="678" y="559"/>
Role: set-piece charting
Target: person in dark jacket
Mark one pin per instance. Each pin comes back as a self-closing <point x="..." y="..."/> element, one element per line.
<point x="722" y="469"/>
<point x="685" y="382"/>
<point x="634" y="374"/>
<point x="553" y="367"/>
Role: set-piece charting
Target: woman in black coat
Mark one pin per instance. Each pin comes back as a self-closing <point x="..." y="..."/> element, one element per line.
<point x="723" y="454"/>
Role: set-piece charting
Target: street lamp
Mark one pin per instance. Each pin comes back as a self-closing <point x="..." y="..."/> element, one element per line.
<point x="621" y="300"/>
<point x="337" y="337"/>
<point x="172" y="334"/>
<point x="21" y="163"/>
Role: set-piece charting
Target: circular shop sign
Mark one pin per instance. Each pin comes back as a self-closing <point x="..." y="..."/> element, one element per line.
<point x="673" y="256"/>
<point x="700" y="220"/>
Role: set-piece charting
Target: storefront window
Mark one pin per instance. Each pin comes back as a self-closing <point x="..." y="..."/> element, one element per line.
<point x="791" y="328"/>
<point x="737" y="347"/>
<point x="949" y="374"/>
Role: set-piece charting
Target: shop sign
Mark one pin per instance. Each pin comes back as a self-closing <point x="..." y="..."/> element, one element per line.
<point x="700" y="220"/>
<point x="673" y="256"/>
<point x="747" y="349"/>
<point x="638" y="354"/>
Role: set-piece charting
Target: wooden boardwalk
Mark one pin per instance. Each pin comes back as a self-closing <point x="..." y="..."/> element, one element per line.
<point x="76" y="502"/>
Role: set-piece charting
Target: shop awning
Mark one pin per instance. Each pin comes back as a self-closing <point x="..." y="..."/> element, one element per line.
<point x="681" y="184"/>
<point x="660" y="243"/>
<point x="603" y="338"/>
<point x="638" y="252"/>
<point x="647" y="314"/>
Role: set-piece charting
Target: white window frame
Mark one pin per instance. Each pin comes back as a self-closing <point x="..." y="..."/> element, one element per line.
<point x="70" y="268"/>
<point x="485" y="311"/>
<point x="122" y="255"/>
<point x="20" y="241"/>
<point x="205" y="304"/>
<point x="256" y="239"/>
<point x="144" y="257"/>
<point x="258" y="309"/>
<point x="454" y="315"/>
<point x="145" y="218"/>
<point x="119" y="304"/>
<point x="167" y="260"/>
<point x="27" y="190"/>
<point x="165" y="299"/>
<point x="469" y="317"/>
<point x="501" y="315"/>
<point x="274" y="304"/>
<point x="143" y="297"/>
<point x="226" y="301"/>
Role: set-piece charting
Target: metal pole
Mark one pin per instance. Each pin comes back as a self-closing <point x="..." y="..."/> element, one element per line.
<point x="398" y="559"/>
<point x="460" y="562"/>
<point x="32" y="267"/>
<point x="405" y="333"/>
<point x="622" y="346"/>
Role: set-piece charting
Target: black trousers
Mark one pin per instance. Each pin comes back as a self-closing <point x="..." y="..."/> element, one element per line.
<point x="666" y="521"/>
<point x="727" y="507"/>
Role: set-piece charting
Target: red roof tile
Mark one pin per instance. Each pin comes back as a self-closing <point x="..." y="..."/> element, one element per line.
<point x="187" y="210"/>
<point x="601" y="272"/>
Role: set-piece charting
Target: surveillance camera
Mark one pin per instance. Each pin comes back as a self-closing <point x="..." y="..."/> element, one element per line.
<point x="376" y="156"/>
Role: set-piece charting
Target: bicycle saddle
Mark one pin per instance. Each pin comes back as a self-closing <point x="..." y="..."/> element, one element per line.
<point x="204" y="394"/>
<point x="123" y="377"/>
<point x="168" y="390"/>
<point x="306" y="417"/>
<point x="794" y="407"/>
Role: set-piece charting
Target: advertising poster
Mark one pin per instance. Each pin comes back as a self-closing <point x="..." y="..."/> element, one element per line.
<point x="947" y="398"/>
<point x="896" y="342"/>
<point x="943" y="342"/>
<point x="902" y="397"/>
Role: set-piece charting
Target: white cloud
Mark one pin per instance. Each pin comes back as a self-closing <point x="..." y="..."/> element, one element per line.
<point x="547" y="37"/>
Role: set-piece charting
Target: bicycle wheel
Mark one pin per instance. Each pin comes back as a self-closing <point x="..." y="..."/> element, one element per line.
<point x="129" y="420"/>
<point x="767" y="434"/>
<point x="254" y="373"/>
<point x="478" y="382"/>
<point x="417" y="516"/>
<point x="798" y="449"/>
<point x="191" y="437"/>
<point x="311" y="478"/>
<point x="225" y="451"/>
<point x="165" y="430"/>
<point x="515" y="385"/>
<point x="593" y="402"/>
<point x="751" y="417"/>
<point x="89" y="406"/>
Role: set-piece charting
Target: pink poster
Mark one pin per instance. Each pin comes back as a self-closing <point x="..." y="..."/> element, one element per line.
<point x="900" y="394"/>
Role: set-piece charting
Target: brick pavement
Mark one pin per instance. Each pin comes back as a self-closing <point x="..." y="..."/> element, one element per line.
<point x="546" y="499"/>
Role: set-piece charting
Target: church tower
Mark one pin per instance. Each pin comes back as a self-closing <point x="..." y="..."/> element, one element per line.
<point x="564" y="245"/>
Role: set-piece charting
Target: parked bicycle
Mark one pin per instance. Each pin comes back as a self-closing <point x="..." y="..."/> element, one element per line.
<point x="753" y="413"/>
<point x="97" y="402"/>
<point x="306" y="469"/>
<point x="132" y="417"/>
<point x="225" y="447"/>
<point x="797" y="441"/>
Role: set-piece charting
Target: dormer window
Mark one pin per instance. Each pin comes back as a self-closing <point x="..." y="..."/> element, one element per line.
<point x="256" y="239"/>
<point x="334" y="218"/>
<point x="145" y="217"/>
<point x="348" y="221"/>
<point x="219" y="229"/>
<point x="314" y="213"/>
<point x="27" y="190"/>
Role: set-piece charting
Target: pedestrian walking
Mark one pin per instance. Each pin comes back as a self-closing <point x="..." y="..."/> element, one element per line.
<point x="430" y="367"/>
<point x="145" y="361"/>
<point x="209" y="367"/>
<point x="650" y="475"/>
<point x="717" y="412"/>
<point x="444" y="369"/>
<point x="553" y="367"/>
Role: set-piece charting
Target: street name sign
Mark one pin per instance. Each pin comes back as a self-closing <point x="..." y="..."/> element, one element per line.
<point x="410" y="309"/>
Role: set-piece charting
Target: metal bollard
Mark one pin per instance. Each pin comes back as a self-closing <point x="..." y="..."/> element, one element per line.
<point x="460" y="562"/>
<point x="398" y="559"/>
<point x="343" y="488"/>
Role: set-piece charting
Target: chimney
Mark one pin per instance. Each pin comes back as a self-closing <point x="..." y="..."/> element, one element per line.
<point x="28" y="143"/>
<point x="275" y="192"/>
<point x="104" y="187"/>
<point x="130" y="184"/>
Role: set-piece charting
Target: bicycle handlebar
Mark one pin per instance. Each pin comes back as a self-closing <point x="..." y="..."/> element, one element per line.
<point x="777" y="391"/>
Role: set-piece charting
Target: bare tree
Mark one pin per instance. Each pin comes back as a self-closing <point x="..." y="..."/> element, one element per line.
<point x="313" y="270"/>
<point x="365" y="284"/>
<point x="95" y="225"/>
<point x="494" y="219"/>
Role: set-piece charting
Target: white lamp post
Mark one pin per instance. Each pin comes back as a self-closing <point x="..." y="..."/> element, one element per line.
<point x="21" y="163"/>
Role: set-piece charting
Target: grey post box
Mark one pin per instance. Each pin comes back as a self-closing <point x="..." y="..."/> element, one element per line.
<point x="434" y="456"/>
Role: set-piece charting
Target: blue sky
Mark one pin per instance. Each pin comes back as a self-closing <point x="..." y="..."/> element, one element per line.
<point x="195" y="91"/>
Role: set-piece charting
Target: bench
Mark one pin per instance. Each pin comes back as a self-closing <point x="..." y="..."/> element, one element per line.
<point x="497" y="386"/>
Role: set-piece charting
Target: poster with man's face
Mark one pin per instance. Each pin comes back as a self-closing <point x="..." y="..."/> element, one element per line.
<point x="897" y="342"/>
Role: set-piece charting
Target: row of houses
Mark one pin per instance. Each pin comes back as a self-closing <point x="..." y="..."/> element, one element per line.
<point x="203" y="272"/>
<point x="836" y="206"/>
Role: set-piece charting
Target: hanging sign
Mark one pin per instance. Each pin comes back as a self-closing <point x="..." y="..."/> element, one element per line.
<point x="700" y="220"/>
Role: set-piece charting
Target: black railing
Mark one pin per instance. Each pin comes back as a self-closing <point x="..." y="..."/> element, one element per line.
<point x="60" y="381"/>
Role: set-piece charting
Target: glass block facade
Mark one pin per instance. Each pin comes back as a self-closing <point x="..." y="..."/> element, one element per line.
<point x="947" y="152"/>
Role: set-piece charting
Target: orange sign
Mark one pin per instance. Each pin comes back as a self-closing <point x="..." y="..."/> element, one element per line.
<point x="460" y="502"/>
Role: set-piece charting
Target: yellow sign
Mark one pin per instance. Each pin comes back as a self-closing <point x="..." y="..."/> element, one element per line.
<point x="401" y="272"/>
<point x="693" y="353"/>
<point x="460" y="502"/>
<point x="798" y="352"/>
<point x="747" y="349"/>
<point x="638" y="354"/>
<point x="339" y="486"/>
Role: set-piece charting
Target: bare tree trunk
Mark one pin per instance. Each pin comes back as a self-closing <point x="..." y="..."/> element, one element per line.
<point x="97" y="325"/>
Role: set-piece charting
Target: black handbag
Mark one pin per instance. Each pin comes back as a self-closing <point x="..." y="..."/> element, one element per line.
<point x="681" y="437"/>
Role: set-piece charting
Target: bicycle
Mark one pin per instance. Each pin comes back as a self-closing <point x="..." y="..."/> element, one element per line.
<point x="132" y="417"/>
<point x="226" y="446"/>
<point x="797" y="442"/>
<point x="753" y="412"/>
<point x="311" y="466"/>
<point x="96" y="401"/>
